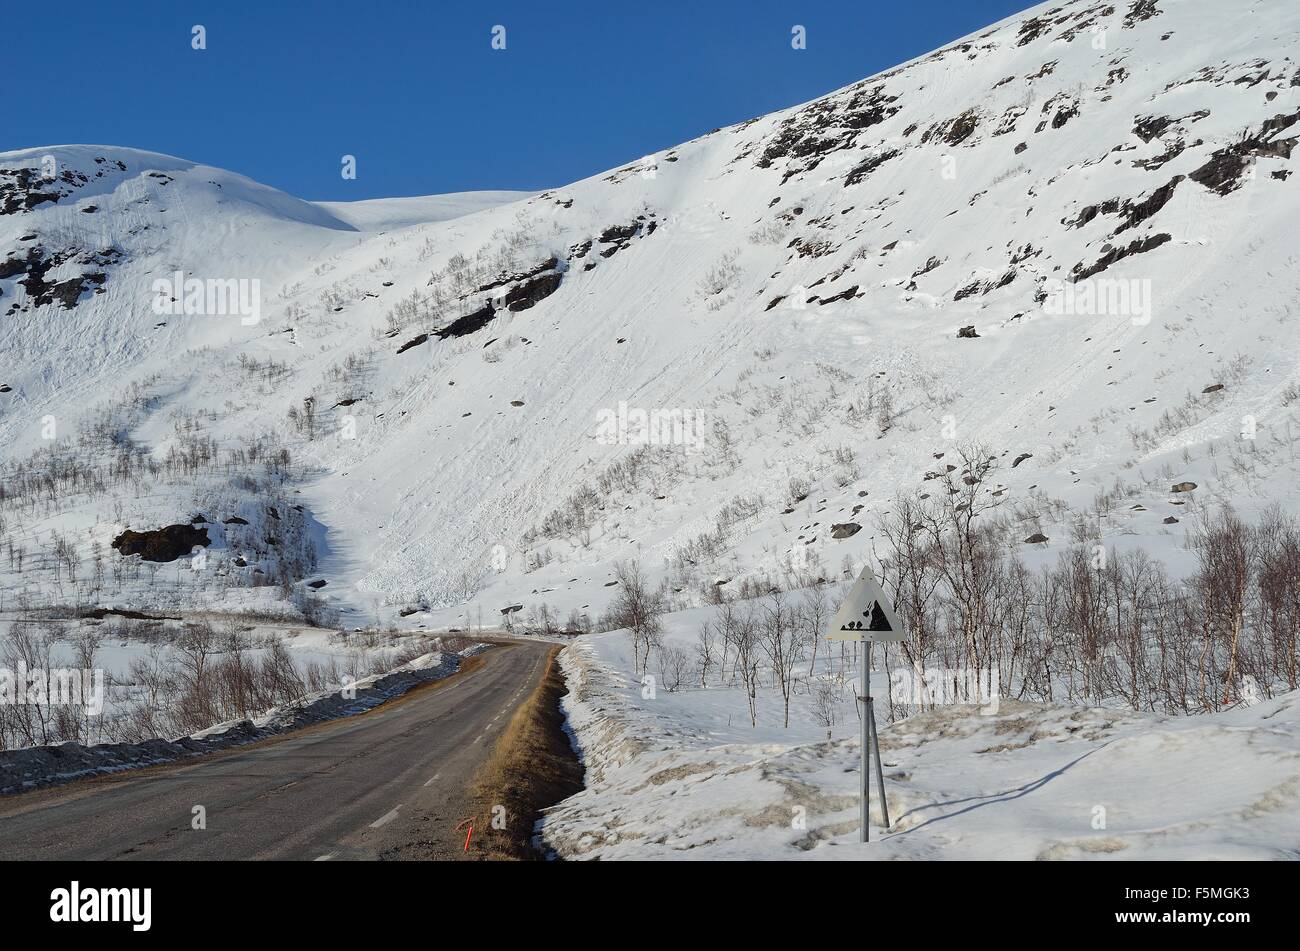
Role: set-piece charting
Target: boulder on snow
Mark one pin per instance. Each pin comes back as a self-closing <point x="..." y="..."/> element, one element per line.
<point x="1184" y="487"/>
<point x="163" y="544"/>
<point x="1038" y="538"/>
<point x="845" y="529"/>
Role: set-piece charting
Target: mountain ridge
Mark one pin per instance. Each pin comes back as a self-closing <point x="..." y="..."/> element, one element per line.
<point x="845" y="290"/>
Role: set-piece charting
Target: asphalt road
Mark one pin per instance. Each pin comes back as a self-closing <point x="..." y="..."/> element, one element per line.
<point x="391" y="783"/>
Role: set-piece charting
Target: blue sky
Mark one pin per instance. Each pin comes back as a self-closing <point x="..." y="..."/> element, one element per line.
<point x="414" y="90"/>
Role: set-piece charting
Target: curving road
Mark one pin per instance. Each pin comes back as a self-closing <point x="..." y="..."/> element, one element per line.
<point x="391" y="783"/>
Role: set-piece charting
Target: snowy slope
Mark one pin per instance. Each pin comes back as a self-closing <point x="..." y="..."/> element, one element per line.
<point x="386" y="214"/>
<point x="767" y="283"/>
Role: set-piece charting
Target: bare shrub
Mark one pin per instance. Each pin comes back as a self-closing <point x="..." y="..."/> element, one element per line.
<point x="638" y="609"/>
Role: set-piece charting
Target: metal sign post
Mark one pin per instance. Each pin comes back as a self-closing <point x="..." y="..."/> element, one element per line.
<point x="866" y="616"/>
<point x="864" y="698"/>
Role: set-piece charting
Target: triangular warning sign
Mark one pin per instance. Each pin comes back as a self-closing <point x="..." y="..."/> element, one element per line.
<point x="866" y="614"/>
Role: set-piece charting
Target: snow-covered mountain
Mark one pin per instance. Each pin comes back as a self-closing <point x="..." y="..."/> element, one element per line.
<point x="1069" y="238"/>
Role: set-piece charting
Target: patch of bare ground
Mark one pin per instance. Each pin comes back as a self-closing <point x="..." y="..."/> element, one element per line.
<point x="532" y="766"/>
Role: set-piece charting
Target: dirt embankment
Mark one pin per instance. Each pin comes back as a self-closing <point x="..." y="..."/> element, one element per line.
<point x="533" y="766"/>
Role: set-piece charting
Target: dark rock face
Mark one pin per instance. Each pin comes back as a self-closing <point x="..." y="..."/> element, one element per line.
<point x="927" y="267"/>
<point x="864" y="169"/>
<point x="548" y="265"/>
<point x="617" y="238"/>
<point x="1224" y="172"/>
<point x="37" y="263"/>
<point x="1137" y="212"/>
<point x="163" y="544"/>
<point x="22" y="189"/>
<point x="954" y="131"/>
<point x="11" y="267"/>
<point x="1140" y="246"/>
<point x="967" y="332"/>
<point x="468" y="324"/>
<point x="413" y="342"/>
<point x="525" y="289"/>
<point x="1078" y="21"/>
<point x="1147" y="128"/>
<point x="845" y="530"/>
<point x="1032" y="29"/>
<point x="1038" y="538"/>
<point x="66" y="292"/>
<point x="1138" y="11"/>
<point x="1109" y="207"/>
<point x="846" y="294"/>
<point x="530" y="292"/>
<point x="618" y="233"/>
<point x="808" y="136"/>
<point x="985" y="287"/>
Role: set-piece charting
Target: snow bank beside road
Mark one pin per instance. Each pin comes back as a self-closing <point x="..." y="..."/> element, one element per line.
<point x="1031" y="782"/>
<point x="34" y="767"/>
